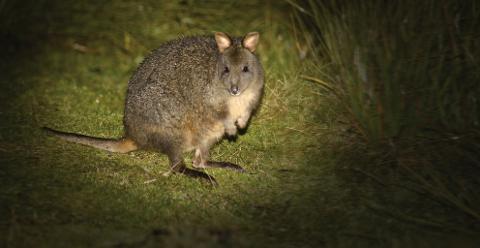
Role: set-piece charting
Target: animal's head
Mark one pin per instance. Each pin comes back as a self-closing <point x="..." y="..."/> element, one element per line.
<point x="238" y="68"/>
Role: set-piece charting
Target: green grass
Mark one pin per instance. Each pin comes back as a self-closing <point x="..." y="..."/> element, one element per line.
<point x="404" y="80"/>
<point x="400" y="68"/>
<point x="66" y="66"/>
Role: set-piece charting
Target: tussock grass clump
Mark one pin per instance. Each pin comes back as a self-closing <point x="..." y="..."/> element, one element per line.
<point x="404" y="79"/>
<point x="397" y="69"/>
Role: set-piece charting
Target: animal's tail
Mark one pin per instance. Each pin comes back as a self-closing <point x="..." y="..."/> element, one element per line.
<point x="113" y="145"/>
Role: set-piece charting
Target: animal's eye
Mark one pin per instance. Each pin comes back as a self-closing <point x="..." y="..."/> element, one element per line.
<point x="226" y="70"/>
<point x="245" y="69"/>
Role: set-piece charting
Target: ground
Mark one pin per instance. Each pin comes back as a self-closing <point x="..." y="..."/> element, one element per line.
<point x="68" y="66"/>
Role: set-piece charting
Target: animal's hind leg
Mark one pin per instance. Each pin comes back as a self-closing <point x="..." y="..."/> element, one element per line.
<point x="201" y="161"/>
<point x="178" y="165"/>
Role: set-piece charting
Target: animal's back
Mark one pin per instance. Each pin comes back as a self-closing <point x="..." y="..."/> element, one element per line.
<point x="168" y="96"/>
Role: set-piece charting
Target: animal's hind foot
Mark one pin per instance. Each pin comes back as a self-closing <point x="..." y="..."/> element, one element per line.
<point x="198" y="175"/>
<point x="223" y="165"/>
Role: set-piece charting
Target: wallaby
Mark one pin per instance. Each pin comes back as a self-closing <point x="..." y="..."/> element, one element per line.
<point x="185" y="96"/>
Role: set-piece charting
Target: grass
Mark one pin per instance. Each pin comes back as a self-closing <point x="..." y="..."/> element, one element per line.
<point x="67" y="65"/>
<point x="404" y="82"/>
<point x="399" y="71"/>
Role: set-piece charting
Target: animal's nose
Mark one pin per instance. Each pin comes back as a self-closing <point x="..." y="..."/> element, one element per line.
<point x="234" y="90"/>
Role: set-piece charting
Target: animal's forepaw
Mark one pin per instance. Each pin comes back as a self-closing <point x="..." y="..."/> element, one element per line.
<point x="231" y="131"/>
<point x="242" y="123"/>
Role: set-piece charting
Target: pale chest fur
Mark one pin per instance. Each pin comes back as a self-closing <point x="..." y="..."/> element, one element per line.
<point x="241" y="106"/>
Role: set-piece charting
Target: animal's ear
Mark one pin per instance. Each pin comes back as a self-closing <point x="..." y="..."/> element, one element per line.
<point x="250" y="41"/>
<point x="223" y="41"/>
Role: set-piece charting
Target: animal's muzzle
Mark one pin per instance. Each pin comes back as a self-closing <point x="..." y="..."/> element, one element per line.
<point x="234" y="90"/>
